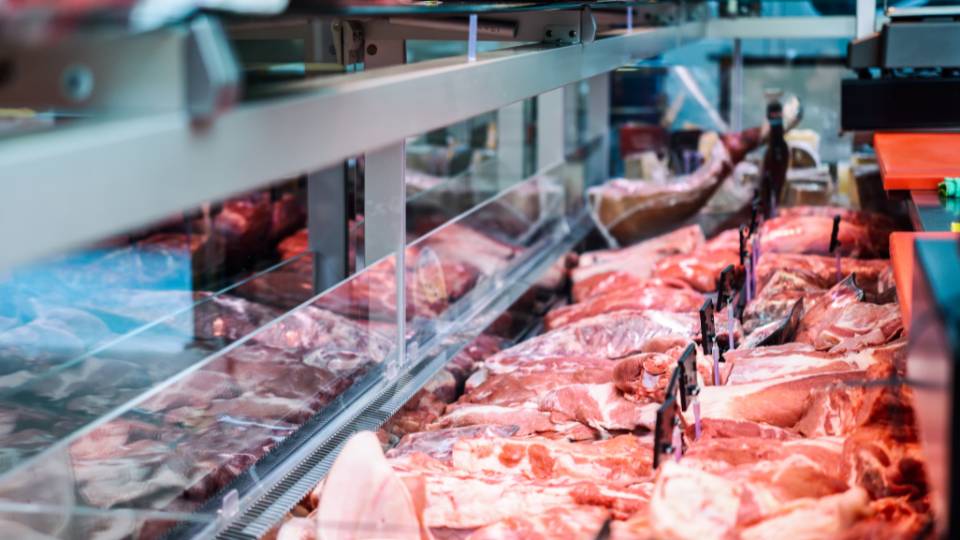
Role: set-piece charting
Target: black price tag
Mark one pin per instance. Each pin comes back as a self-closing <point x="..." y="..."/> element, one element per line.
<point x="754" y="211"/>
<point x="708" y="329"/>
<point x="689" y="387"/>
<point x="725" y="286"/>
<point x="666" y="422"/>
<point x="744" y="233"/>
<point x="835" y="234"/>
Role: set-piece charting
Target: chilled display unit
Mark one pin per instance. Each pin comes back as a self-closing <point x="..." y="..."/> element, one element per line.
<point x="358" y="270"/>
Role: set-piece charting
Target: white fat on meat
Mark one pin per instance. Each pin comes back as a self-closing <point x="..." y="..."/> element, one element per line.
<point x="568" y="522"/>
<point x="779" y="402"/>
<point x="363" y="498"/>
<point x="624" y="459"/>
<point x="600" y="406"/>
<point x="813" y="519"/>
<point x="688" y="503"/>
<point x="766" y="363"/>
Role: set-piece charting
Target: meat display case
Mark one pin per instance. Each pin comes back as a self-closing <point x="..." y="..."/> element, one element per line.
<point x="135" y="370"/>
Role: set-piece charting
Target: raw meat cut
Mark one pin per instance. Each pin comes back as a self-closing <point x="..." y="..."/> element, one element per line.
<point x="624" y="459"/>
<point x="878" y="222"/>
<point x="777" y="298"/>
<point x="616" y="281"/>
<point x="599" y="406"/>
<point x="439" y="444"/>
<point x="425" y="407"/>
<point x="811" y="235"/>
<point x="631" y="209"/>
<point x="644" y="377"/>
<point x="873" y="275"/>
<point x="573" y="523"/>
<point x="778" y="402"/>
<point x="858" y="326"/>
<point x="456" y="500"/>
<point x="244" y="224"/>
<point x="717" y="506"/>
<point x="766" y="363"/>
<point x="630" y="298"/>
<point x="821" y="313"/>
<point x="326" y="338"/>
<point x="363" y="497"/>
<point x="638" y="259"/>
<point x="613" y="336"/>
<point x="700" y="269"/>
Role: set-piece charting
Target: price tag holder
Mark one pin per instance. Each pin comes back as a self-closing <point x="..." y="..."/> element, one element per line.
<point x="707" y="329"/>
<point x="754" y="212"/>
<point x="835" y="244"/>
<point x="689" y="385"/>
<point x="667" y="422"/>
<point x="725" y="286"/>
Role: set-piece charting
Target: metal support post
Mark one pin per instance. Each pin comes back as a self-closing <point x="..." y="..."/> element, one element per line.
<point x="736" y="88"/>
<point x="598" y="125"/>
<point x="510" y="132"/>
<point x="866" y="17"/>
<point x="327" y="226"/>
<point x="385" y="203"/>
<point x="550" y="128"/>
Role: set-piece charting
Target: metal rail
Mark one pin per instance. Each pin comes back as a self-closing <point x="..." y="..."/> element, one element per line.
<point x="81" y="183"/>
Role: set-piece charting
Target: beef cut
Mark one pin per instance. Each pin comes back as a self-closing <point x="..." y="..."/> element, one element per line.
<point x="638" y="259"/>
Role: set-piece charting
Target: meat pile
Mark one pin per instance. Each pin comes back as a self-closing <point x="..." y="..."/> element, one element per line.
<point x="551" y="438"/>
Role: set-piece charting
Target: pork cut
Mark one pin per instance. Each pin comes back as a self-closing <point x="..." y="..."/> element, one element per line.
<point x="627" y="299"/>
<point x="700" y="269"/>
<point x="820" y="313"/>
<point x="873" y="275"/>
<point x="624" y="459"/>
<point x="766" y="363"/>
<point x="572" y="522"/>
<point x="811" y="235"/>
<point x="613" y="336"/>
<point x="639" y="258"/>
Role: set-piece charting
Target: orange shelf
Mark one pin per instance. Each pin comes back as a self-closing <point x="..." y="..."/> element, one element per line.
<point x="902" y="259"/>
<point x="917" y="160"/>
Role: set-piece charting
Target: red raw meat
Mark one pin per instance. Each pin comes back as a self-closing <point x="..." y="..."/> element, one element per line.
<point x="245" y="225"/>
<point x="858" y="326"/>
<point x="569" y="522"/>
<point x="644" y="254"/>
<point x="644" y="377"/>
<point x="636" y="261"/>
<point x="873" y="275"/>
<point x="197" y="389"/>
<point x="624" y="459"/>
<point x="765" y="363"/>
<point x="779" y="402"/>
<point x="700" y="269"/>
<point x="811" y="235"/>
<point x="287" y="215"/>
<point x="612" y="336"/>
<point x="821" y="313"/>
<point x="439" y="444"/>
<point x="615" y="281"/>
<point x="600" y="406"/>
<point x="873" y="220"/>
<point x="631" y="298"/>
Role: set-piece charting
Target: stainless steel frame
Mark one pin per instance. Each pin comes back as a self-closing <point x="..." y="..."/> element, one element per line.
<point x="55" y="184"/>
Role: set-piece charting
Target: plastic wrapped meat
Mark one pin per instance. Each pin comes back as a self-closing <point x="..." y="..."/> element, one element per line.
<point x="777" y="298"/>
